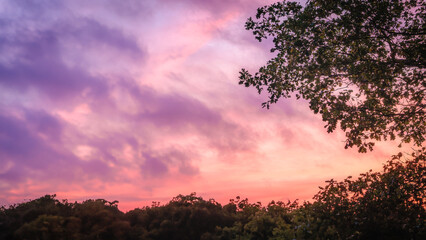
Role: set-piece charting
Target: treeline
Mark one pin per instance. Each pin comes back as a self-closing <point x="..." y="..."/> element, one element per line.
<point x="376" y="205"/>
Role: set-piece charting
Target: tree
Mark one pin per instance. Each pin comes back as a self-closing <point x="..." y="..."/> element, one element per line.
<point x="360" y="64"/>
<point x="377" y="205"/>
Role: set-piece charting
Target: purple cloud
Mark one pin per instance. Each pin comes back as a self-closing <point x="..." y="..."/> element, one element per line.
<point x="19" y="143"/>
<point x="219" y="7"/>
<point x="153" y="167"/>
<point x="32" y="146"/>
<point x="180" y="114"/>
<point x="41" y="68"/>
<point x="39" y="57"/>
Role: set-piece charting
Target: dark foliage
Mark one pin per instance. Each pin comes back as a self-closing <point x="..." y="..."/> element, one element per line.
<point x="360" y="64"/>
<point x="377" y="205"/>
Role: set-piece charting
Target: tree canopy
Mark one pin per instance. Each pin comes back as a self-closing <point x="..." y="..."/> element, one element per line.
<point x="360" y="64"/>
<point x="377" y="205"/>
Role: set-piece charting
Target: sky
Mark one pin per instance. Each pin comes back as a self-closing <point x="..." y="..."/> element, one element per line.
<point x="138" y="101"/>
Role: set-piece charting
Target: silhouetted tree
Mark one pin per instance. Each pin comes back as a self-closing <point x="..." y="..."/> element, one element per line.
<point x="360" y="64"/>
<point x="378" y="205"/>
<point x="184" y="217"/>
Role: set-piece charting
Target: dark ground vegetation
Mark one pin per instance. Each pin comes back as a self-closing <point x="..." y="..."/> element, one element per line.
<point x="376" y="205"/>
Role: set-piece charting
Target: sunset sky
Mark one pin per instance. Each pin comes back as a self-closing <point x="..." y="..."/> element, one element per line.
<point x="139" y="101"/>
